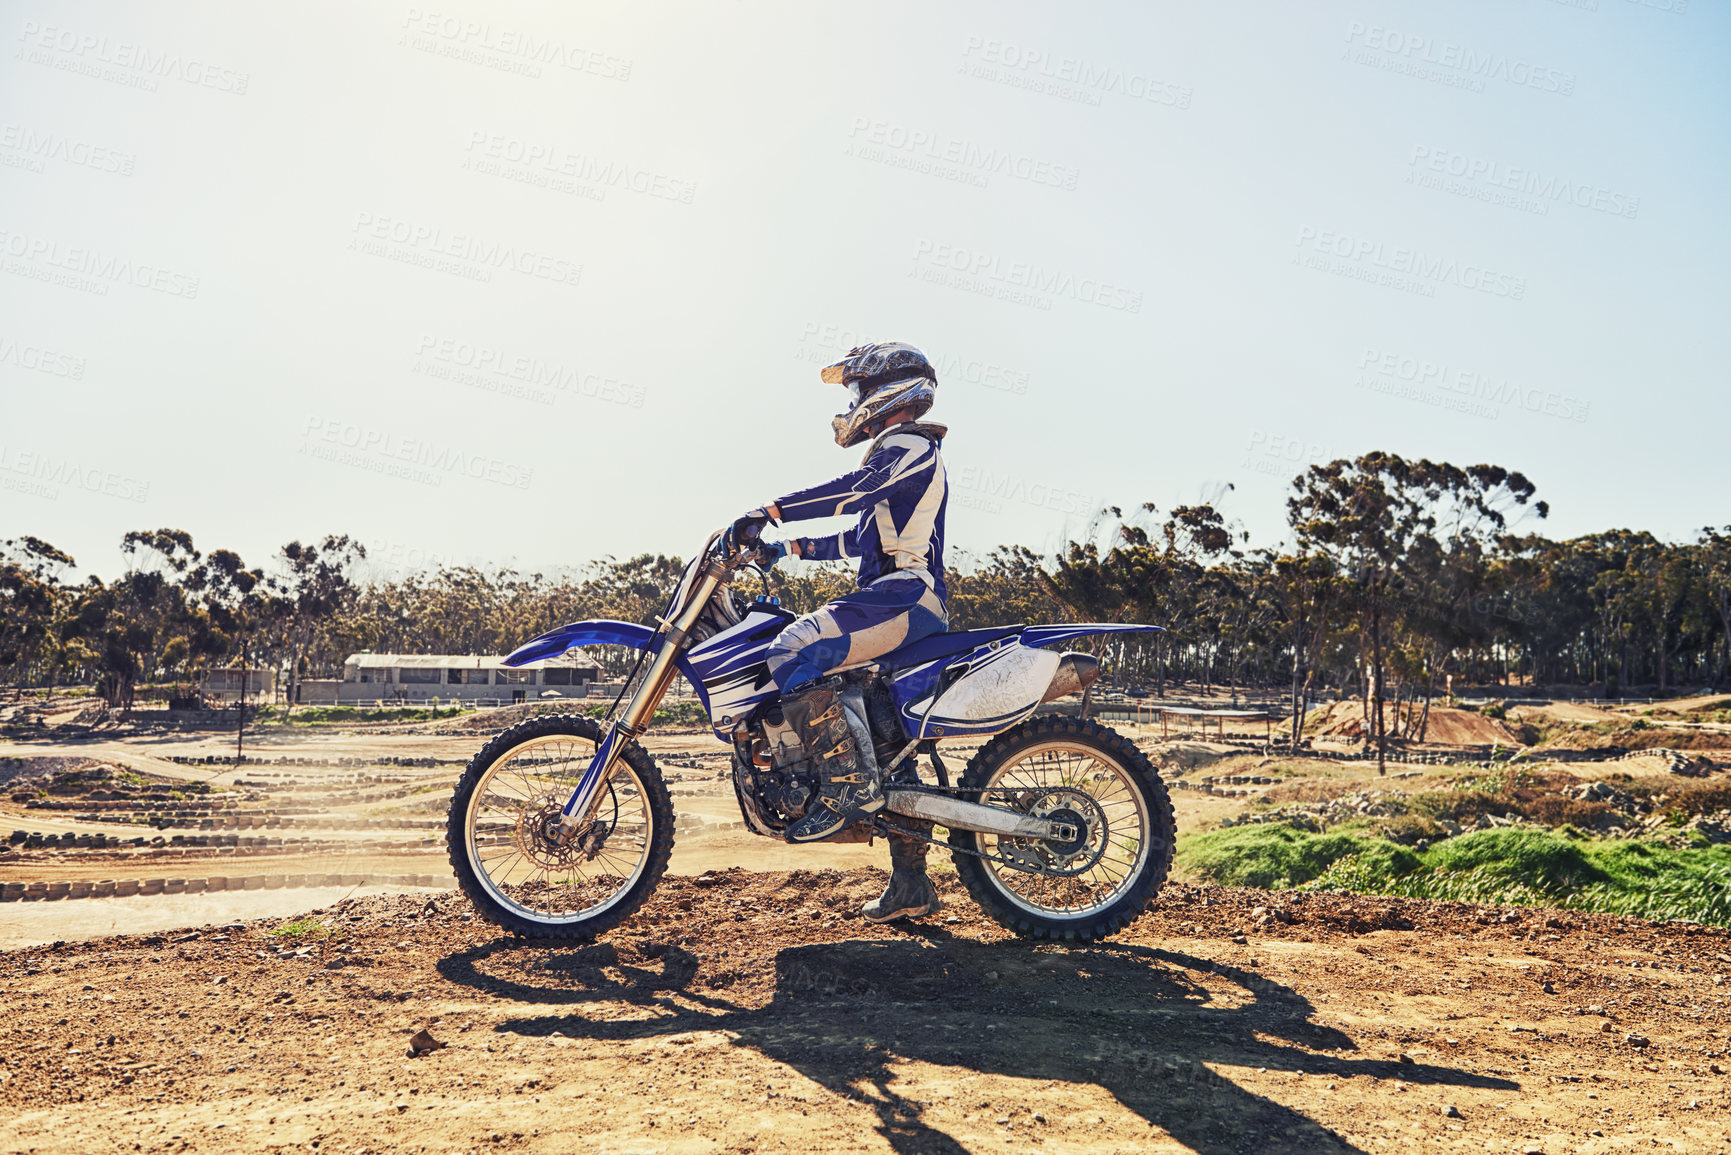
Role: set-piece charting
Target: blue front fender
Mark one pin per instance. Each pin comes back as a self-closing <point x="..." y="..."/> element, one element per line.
<point x="599" y="632"/>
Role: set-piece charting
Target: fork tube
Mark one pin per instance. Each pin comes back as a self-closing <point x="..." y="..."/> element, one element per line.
<point x="641" y="709"/>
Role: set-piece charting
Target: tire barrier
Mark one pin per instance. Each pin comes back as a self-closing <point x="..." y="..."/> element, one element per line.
<point x="186" y="845"/>
<point x="142" y="887"/>
<point x="423" y="763"/>
<point x="101" y="809"/>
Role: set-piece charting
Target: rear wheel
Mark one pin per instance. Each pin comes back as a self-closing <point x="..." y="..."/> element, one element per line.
<point x="510" y="856"/>
<point x="1087" y="776"/>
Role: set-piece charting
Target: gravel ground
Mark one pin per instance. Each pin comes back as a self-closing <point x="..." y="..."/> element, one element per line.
<point x="754" y="1011"/>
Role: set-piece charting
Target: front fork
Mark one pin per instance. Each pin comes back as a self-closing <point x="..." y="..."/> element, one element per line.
<point x="580" y="808"/>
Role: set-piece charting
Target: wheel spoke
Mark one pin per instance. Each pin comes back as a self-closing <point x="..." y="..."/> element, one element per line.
<point x="515" y="848"/>
<point x="1069" y="767"/>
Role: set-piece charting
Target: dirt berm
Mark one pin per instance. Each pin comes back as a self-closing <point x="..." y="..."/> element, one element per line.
<point x="747" y="1012"/>
<point x="1448" y="726"/>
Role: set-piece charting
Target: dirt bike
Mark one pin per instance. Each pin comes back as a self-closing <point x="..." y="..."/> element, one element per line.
<point x="1060" y="828"/>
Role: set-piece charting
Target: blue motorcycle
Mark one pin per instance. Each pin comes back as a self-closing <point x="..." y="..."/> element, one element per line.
<point x="1059" y="827"/>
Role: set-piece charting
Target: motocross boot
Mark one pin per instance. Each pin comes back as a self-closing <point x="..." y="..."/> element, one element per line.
<point x="849" y="786"/>
<point x="910" y="893"/>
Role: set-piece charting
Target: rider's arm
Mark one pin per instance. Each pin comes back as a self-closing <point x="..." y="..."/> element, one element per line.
<point x="842" y="546"/>
<point x="904" y="462"/>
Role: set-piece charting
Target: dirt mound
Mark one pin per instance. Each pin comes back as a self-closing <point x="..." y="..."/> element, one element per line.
<point x="1180" y="758"/>
<point x="1573" y="713"/>
<point x="746" y="1011"/>
<point x="1701" y="704"/>
<point x="1447" y="727"/>
<point x="493" y="720"/>
<point x="36" y="768"/>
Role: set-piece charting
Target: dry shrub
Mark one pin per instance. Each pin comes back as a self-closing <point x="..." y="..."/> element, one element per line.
<point x="1408" y="829"/>
<point x="1463" y="806"/>
<point x="1700" y="798"/>
<point x="1314" y="790"/>
<point x="1673" y="739"/>
<point x="1561" y="810"/>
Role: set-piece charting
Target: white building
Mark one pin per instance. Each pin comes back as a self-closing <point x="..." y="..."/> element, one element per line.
<point x="369" y="677"/>
<point x="223" y="686"/>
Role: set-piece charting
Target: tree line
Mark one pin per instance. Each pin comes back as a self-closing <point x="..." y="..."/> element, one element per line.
<point x="1399" y="580"/>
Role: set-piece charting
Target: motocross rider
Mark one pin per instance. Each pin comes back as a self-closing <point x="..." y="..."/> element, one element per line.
<point x="900" y="494"/>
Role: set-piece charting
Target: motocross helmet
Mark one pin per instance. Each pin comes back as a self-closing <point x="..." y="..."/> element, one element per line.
<point x="881" y="378"/>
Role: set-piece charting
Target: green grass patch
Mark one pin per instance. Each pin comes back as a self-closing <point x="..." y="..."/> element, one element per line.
<point x="302" y="928"/>
<point x="1509" y="867"/>
<point x="1272" y="855"/>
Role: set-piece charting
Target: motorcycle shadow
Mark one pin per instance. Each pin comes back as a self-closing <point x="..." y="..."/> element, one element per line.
<point x="1149" y="1026"/>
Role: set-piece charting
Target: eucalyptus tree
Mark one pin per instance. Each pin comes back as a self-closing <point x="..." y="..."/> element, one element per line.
<point x="314" y="585"/>
<point x="1374" y="515"/>
<point x="30" y="594"/>
<point x="1715" y="549"/>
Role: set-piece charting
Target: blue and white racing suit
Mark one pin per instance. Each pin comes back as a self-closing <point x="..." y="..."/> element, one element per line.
<point x="900" y="493"/>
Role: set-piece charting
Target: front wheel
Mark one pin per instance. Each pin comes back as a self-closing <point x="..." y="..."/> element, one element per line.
<point x="508" y="852"/>
<point x="1094" y="779"/>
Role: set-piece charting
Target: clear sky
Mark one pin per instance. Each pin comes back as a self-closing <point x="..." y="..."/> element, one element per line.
<point x="535" y="283"/>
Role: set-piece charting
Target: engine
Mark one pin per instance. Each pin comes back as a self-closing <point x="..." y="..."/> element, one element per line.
<point x="772" y="777"/>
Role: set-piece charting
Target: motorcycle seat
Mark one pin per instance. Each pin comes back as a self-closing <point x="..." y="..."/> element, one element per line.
<point x="942" y="646"/>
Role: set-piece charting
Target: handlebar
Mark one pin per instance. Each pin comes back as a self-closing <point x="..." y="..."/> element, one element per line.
<point x="736" y="554"/>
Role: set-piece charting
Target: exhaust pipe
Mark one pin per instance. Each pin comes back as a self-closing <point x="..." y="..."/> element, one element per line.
<point x="1076" y="672"/>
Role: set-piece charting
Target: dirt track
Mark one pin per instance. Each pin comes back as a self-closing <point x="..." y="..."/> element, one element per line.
<point x="754" y="1011"/>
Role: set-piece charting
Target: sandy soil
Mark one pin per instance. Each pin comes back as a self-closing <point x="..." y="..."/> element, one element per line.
<point x="758" y="1013"/>
<point x="1688" y="705"/>
<point x="1447" y="727"/>
<point x="39" y="923"/>
<point x="754" y="1010"/>
<point x="1579" y="712"/>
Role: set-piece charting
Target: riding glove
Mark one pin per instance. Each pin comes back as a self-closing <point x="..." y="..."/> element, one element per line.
<point x="746" y="527"/>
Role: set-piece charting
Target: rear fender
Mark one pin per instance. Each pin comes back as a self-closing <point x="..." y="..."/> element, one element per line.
<point x="1048" y="635"/>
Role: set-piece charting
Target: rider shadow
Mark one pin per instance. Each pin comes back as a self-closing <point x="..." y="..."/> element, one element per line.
<point x="1143" y="1024"/>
